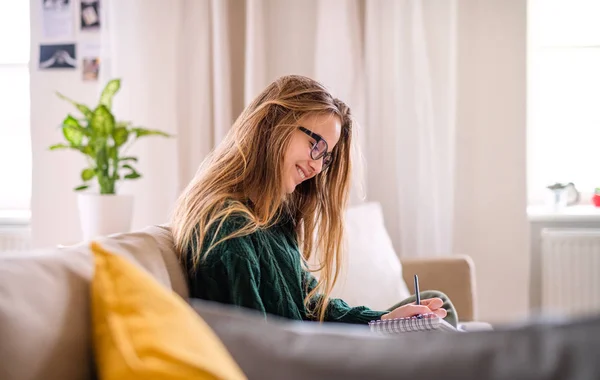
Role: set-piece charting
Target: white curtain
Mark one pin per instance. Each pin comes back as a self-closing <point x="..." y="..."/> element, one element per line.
<point x="189" y="66"/>
<point x="339" y="63"/>
<point x="173" y="59"/>
<point x="410" y="50"/>
<point x="280" y="39"/>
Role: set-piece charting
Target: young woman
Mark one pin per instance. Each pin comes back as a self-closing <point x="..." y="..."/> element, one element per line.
<point x="272" y="194"/>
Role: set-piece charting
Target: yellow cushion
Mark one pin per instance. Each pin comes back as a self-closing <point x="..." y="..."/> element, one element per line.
<point x="142" y="330"/>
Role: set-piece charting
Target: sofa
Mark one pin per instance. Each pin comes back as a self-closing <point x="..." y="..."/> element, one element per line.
<point x="45" y="325"/>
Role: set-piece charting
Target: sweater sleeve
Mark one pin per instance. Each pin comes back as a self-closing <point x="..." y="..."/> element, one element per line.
<point x="339" y="311"/>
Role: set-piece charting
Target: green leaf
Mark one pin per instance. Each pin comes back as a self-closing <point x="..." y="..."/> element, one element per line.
<point x="140" y="132"/>
<point x="70" y="120"/>
<point x="82" y="108"/>
<point x="120" y="135"/>
<point x="88" y="150"/>
<point x="98" y="143"/>
<point x="109" y="91"/>
<point x="73" y="122"/>
<point x="82" y="187"/>
<point x="73" y="135"/>
<point x="85" y="149"/>
<point x="129" y="158"/>
<point x="133" y="174"/>
<point x="103" y="121"/>
<point x="87" y="174"/>
<point x="59" y="146"/>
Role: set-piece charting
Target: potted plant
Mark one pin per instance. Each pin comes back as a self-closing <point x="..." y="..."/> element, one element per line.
<point x="103" y="141"/>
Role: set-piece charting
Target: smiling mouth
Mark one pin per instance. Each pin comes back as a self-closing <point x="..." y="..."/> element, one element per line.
<point x="301" y="173"/>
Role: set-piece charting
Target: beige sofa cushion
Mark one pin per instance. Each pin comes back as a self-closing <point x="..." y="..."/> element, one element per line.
<point x="44" y="305"/>
<point x="164" y="238"/>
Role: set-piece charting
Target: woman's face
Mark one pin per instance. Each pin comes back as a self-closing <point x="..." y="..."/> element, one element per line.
<point x="298" y="166"/>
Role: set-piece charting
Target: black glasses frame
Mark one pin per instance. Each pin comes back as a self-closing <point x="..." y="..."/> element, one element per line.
<point x="327" y="157"/>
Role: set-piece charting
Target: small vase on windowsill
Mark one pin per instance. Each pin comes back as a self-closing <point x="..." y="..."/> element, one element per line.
<point x="564" y="195"/>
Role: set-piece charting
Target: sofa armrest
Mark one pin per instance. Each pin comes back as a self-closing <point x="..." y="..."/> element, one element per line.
<point x="453" y="275"/>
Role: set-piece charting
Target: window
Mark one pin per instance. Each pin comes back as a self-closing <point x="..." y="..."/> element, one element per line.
<point x="563" y="127"/>
<point x="15" y="142"/>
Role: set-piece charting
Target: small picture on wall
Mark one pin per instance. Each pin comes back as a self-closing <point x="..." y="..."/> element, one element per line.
<point x="90" y="14"/>
<point x="57" y="19"/>
<point x="91" y="68"/>
<point x="58" y="56"/>
<point x="55" y="3"/>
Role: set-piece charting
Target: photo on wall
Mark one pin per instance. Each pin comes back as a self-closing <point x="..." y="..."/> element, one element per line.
<point x="91" y="68"/>
<point x="90" y="14"/>
<point x="55" y="3"/>
<point x="58" y="56"/>
<point x="89" y="51"/>
<point x="57" y="19"/>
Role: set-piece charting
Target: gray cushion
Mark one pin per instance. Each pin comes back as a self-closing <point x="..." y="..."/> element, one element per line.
<point x="282" y="349"/>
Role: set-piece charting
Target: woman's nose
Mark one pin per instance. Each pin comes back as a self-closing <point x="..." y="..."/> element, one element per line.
<point x="316" y="165"/>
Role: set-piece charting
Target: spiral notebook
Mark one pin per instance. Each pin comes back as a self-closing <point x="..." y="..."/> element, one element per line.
<point x="426" y="322"/>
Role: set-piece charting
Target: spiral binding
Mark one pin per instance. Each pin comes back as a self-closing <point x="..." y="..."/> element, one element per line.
<point x="424" y="322"/>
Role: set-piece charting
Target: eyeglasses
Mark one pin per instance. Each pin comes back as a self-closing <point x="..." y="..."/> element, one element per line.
<point x="319" y="148"/>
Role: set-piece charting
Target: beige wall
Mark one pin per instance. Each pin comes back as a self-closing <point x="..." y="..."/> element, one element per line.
<point x="491" y="224"/>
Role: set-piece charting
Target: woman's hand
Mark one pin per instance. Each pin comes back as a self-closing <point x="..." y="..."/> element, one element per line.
<point x="431" y="305"/>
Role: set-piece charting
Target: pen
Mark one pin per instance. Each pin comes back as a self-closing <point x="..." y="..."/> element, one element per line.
<point x="417" y="293"/>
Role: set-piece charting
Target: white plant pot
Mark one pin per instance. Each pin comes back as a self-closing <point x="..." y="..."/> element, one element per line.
<point x="104" y="214"/>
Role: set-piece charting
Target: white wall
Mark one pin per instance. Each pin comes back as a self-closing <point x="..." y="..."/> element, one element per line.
<point x="55" y="174"/>
<point x="491" y="224"/>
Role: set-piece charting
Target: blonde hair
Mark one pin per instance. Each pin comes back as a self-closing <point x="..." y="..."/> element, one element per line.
<point x="249" y="161"/>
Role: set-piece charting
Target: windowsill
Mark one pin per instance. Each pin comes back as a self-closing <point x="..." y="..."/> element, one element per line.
<point x="577" y="213"/>
<point x="15" y="217"/>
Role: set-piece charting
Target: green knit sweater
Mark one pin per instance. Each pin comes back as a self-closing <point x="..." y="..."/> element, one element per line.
<point x="263" y="271"/>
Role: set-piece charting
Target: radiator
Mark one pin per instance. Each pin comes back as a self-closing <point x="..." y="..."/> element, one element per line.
<point x="570" y="261"/>
<point x="14" y="238"/>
